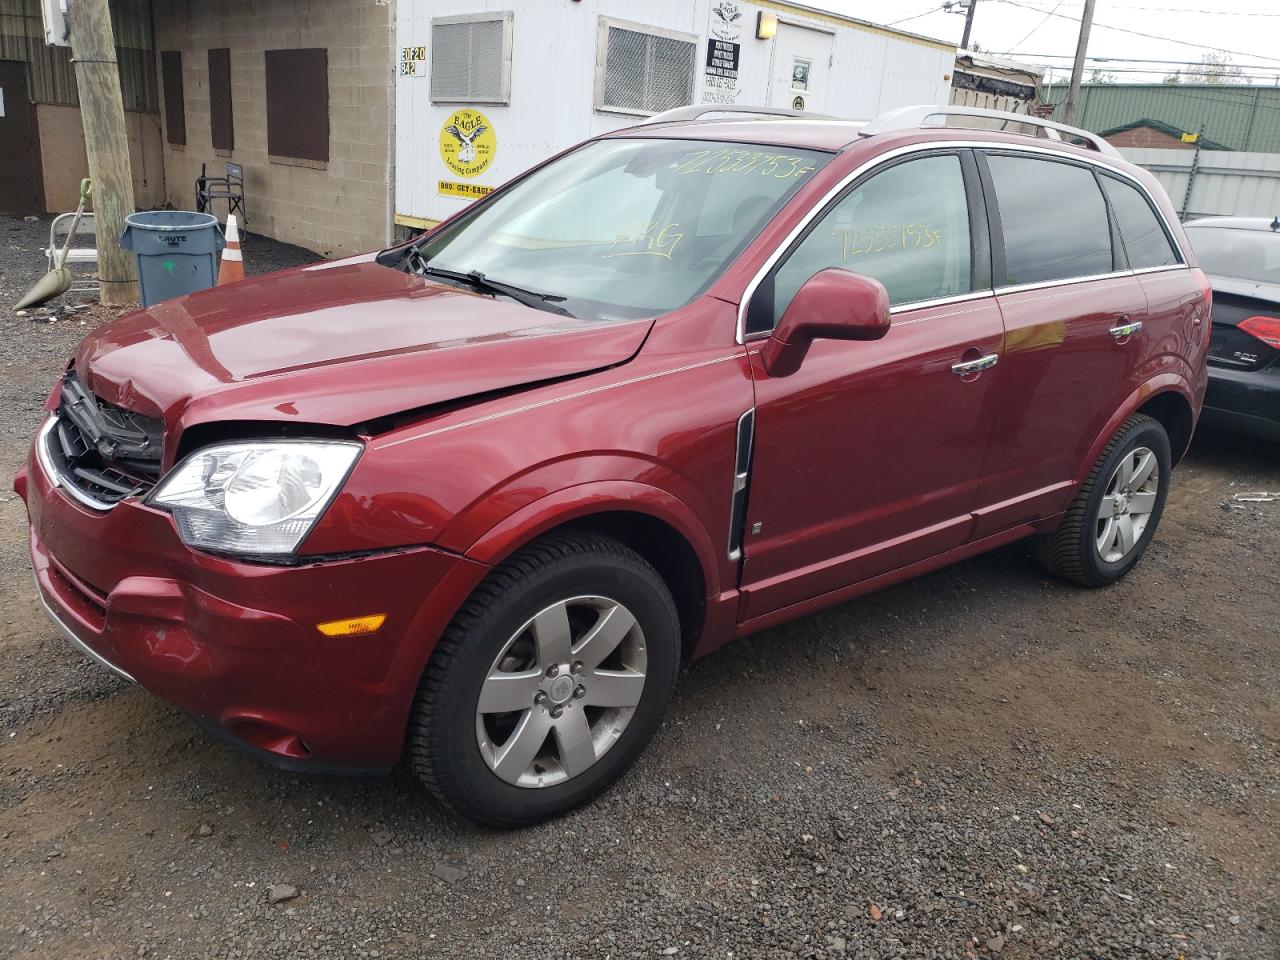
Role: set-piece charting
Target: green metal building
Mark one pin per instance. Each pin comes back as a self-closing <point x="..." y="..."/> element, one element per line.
<point x="1236" y="116"/>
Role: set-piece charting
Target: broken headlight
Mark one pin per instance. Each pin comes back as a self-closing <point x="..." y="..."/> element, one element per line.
<point x="254" y="498"/>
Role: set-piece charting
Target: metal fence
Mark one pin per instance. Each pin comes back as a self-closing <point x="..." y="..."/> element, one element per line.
<point x="50" y="76"/>
<point x="1215" y="182"/>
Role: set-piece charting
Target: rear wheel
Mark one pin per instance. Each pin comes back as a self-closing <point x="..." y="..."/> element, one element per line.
<point x="548" y="683"/>
<point x="1114" y="515"/>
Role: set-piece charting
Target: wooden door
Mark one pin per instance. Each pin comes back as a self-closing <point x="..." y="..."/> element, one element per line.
<point x="21" y="185"/>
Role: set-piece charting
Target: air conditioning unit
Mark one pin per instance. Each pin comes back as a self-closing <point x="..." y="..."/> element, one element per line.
<point x="57" y="28"/>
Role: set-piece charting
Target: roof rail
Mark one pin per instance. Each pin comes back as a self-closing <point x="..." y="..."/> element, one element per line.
<point x="911" y="118"/>
<point x="699" y="110"/>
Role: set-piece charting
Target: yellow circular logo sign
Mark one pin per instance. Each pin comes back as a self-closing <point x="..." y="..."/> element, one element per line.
<point x="467" y="143"/>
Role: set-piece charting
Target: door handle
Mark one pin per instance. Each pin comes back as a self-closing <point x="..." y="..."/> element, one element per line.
<point x="967" y="367"/>
<point x="1126" y="328"/>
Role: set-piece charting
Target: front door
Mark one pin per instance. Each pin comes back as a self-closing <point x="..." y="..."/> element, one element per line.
<point x="868" y="457"/>
<point x="21" y="188"/>
<point x="801" y="68"/>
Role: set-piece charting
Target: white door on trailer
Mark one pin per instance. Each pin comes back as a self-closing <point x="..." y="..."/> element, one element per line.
<point x="801" y="68"/>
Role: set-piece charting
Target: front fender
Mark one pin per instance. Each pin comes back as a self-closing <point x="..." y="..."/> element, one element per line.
<point x="595" y="497"/>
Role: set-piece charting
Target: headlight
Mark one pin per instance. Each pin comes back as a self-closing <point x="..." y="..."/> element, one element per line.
<point x="254" y="498"/>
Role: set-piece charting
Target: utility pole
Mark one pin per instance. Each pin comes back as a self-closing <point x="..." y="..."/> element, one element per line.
<point x="93" y="51"/>
<point x="1077" y="69"/>
<point x="968" y="24"/>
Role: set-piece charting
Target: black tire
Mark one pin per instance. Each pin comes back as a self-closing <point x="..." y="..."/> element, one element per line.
<point x="442" y="742"/>
<point x="1072" y="551"/>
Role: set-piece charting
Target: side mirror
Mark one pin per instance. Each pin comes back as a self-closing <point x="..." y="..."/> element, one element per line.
<point x="834" y="304"/>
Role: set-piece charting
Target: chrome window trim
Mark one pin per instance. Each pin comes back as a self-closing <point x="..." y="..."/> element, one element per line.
<point x="943" y="301"/>
<point x="1165" y="269"/>
<point x="861" y="170"/>
<point x="54" y="475"/>
<point x="1067" y="281"/>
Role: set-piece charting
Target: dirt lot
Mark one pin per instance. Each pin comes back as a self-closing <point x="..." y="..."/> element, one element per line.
<point x="980" y="762"/>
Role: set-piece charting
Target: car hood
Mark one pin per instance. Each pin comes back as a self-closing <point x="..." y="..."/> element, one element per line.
<point x="338" y="343"/>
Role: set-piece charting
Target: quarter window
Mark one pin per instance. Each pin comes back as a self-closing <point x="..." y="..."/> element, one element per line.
<point x="1054" y="218"/>
<point x="907" y="227"/>
<point x="1144" y="238"/>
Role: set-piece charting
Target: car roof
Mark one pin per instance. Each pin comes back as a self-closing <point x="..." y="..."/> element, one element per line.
<point x="779" y="127"/>
<point x="782" y="132"/>
<point x="1234" y="223"/>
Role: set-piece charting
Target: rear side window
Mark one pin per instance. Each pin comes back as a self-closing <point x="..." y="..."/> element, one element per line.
<point x="1144" y="238"/>
<point x="907" y="227"/>
<point x="1054" y="218"/>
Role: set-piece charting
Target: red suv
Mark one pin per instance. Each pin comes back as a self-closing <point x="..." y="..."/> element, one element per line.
<point x="473" y="500"/>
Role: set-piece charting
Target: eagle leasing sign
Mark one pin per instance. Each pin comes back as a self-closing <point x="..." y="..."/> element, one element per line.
<point x="468" y="191"/>
<point x="467" y="143"/>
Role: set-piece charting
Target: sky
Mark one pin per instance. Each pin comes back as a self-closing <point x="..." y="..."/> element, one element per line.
<point x="1044" y="32"/>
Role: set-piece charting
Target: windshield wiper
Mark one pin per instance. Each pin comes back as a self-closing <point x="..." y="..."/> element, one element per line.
<point x="476" y="279"/>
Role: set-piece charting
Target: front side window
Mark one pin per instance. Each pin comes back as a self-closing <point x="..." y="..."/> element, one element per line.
<point x="1240" y="254"/>
<point x="907" y="226"/>
<point x="1145" y="240"/>
<point x="1055" y="220"/>
<point x="625" y="228"/>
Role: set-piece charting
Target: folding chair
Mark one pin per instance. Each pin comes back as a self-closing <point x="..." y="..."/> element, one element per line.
<point x="229" y="188"/>
<point x="78" y="255"/>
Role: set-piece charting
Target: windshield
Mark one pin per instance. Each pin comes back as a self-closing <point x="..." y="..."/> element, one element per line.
<point x="621" y="229"/>
<point x="1242" y="254"/>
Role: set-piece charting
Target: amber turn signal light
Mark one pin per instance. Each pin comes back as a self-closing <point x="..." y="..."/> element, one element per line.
<point x="355" y="627"/>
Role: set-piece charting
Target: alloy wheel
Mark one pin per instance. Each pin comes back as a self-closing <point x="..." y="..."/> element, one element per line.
<point x="1127" y="504"/>
<point x="561" y="691"/>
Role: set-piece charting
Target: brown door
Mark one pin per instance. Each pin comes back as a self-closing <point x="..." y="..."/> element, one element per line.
<point x="21" y="186"/>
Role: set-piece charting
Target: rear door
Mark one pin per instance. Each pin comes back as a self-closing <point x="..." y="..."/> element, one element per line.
<point x="1074" y="331"/>
<point x="1175" y="325"/>
<point x="867" y="458"/>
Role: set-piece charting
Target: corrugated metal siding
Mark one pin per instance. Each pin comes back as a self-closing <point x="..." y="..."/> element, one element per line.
<point x="1239" y="116"/>
<point x="1226" y="184"/>
<point x="52" y="78"/>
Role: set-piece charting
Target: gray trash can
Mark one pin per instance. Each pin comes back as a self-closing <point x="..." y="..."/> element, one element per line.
<point x="177" y="252"/>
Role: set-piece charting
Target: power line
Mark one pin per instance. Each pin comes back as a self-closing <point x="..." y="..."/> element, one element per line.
<point x="1150" y="71"/>
<point x="1038" y="25"/>
<point x="1222" y="13"/>
<point x="1139" y="33"/>
<point x="915" y="16"/>
<point x="1068" y="56"/>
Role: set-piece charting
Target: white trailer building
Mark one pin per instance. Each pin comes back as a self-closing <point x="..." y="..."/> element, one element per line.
<point x="487" y="88"/>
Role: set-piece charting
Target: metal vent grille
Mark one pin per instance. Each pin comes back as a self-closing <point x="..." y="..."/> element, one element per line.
<point x="645" y="73"/>
<point x="467" y="61"/>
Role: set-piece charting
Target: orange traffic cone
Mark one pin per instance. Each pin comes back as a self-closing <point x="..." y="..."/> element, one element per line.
<point x="232" y="267"/>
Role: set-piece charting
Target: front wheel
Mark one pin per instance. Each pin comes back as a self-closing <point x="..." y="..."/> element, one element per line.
<point x="548" y="683"/>
<point x="1113" y="517"/>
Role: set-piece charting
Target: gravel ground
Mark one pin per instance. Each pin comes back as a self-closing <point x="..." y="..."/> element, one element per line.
<point x="981" y="762"/>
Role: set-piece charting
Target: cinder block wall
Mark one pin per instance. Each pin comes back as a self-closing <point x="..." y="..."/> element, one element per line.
<point x="335" y="209"/>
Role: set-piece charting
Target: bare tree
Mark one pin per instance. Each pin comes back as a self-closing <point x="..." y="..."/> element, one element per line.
<point x="1213" y="68"/>
<point x="1103" y="76"/>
